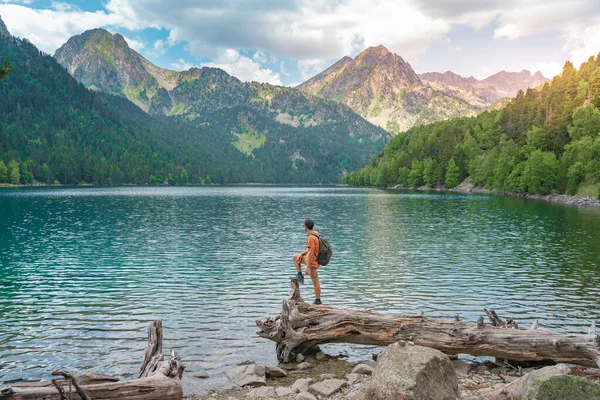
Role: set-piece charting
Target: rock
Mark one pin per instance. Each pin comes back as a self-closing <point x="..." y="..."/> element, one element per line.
<point x="303" y="366"/>
<point x="247" y="362"/>
<point x="284" y="391"/>
<point x="327" y="387"/>
<point x="482" y="369"/>
<point x="305" y="396"/>
<point x="201" y="375"/>
<point x="411" y="373"/>
<point x="320" y="356"/>
<point x="262" y="392"/>
<point x="363" y="369"/>
<point x="326" y="376"/>
<point x="509" y="378"/>
<point x="274" y="372"/>
<point x="461" y="367"/>
<point x="301" y="385"/>
<point x="499" y="371"/>
<point x="355" y="378"/>
<point x="299" y="358"/>
<point x="490" y="364"/>
<point x="248" y="375"/>
<point x="560" y="387"/>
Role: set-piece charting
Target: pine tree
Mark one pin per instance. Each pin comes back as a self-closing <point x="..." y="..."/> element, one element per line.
<point x="3" y="172"/>
<point x="452" y="174"/>
<point x="14" y="176"/>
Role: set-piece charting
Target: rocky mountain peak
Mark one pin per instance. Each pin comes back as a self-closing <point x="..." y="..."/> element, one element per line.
<point x="374" y="51"/>
<point x="3" y="29"/>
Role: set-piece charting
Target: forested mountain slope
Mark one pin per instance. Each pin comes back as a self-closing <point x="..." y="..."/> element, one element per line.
<point x="54" y="129"/>
<point x="545" y="140"/>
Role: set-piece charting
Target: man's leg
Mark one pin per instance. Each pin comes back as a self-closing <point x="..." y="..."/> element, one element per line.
<point x="297" y="258"/>
<point x="314" y="277"/>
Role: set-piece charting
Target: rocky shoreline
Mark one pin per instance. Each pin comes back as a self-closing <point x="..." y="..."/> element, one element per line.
<point x="468" y="187"/>
<point x="406" y="370"/>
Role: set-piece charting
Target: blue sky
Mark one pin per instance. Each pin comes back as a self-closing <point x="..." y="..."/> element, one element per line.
<point x="287" y="41"/>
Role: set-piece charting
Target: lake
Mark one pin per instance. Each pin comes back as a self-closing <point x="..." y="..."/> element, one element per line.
<point x="85" y="270"/>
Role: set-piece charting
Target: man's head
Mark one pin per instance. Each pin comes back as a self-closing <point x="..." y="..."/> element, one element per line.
<point x="308" y="225"/>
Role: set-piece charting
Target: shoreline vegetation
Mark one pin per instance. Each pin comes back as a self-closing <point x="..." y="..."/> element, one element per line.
<point x="465" y="187"/>
<point x="544" y="143"/>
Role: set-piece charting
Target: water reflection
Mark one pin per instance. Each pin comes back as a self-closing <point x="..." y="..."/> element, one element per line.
<point x="83" y="271"/>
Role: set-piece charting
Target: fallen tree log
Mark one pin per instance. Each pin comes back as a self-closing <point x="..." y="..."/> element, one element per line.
<point x="301" y="326"/>
<point x="158" y="380"/>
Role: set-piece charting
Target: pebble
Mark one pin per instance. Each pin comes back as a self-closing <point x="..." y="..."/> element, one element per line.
<point x="303" y="366"/>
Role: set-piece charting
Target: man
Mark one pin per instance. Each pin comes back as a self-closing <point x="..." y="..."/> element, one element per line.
<point x="309" y="258"/>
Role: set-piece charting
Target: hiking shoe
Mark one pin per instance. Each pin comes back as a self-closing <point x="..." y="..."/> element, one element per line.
<point x="317" y="301"/>
<point x="298" y="278"/>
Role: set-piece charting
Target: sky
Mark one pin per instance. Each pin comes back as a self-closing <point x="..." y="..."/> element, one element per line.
<point x="285" y="42"/>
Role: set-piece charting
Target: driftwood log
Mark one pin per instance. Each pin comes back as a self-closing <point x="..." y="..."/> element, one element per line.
<point x="157" y="380"/>
<point x="301" y="326"/>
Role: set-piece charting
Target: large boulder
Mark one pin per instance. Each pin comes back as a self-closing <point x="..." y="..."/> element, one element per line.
<point x="411" y="372"/>
<point x="248" y="375"/>
<point x="560" y="387"/>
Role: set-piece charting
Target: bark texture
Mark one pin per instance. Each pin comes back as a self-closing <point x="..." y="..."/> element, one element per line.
<point x="159" y="379"/>
<point x="301" y="326"/>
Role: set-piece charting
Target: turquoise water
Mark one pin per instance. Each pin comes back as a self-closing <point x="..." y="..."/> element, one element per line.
<point x="85" y="270"/>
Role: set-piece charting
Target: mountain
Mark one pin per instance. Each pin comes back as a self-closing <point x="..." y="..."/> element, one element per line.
<point x="484" y="91"/>
<point x="492" y="88"/>
<point x="3" y="30"/>
<point x="383" y="88"/>
<point x="508" y="84"/>
<point x="52" y="128"/>
<point x="104" y="62"/>
<point x="545" y="140"/>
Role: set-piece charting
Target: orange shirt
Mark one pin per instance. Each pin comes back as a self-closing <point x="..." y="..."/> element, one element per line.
<point x="313" y="245"/>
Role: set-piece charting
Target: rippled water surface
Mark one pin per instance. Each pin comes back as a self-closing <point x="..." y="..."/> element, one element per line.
<point x="84" y="271"/>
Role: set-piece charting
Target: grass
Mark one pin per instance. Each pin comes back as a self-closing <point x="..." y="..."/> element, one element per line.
<point x="177" y="109"/>
<point x="589" y="190"/>
<point x="248" y="141"/>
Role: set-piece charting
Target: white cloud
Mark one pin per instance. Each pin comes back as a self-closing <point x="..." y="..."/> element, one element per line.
<point x="314" y="32"/>
<point x="244" y="68"/>
<point x="549" y="70"/>
<point x="181" y="65"/>
<point x="49" y="29"/>
<point x="311" y="67"/>
<point x="136" y="44"/>
<point x="260" y="57"/>
<point x="583" y="42"/>
<point x="159" y="48"/>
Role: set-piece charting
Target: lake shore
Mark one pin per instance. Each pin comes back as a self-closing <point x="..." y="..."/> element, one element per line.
<point x="475" y="378"/>
<point x="467" y="187"/>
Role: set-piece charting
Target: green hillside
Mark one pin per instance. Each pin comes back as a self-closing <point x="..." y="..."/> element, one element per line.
<point x="544" y="141"/>
<point x="53" y="129"/>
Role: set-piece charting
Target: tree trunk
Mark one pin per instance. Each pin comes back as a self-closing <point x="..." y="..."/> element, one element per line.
<point x="158" y="380"/>
<point x="301" y="326"/>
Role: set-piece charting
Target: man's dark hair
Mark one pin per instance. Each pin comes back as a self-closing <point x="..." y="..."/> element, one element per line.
<point x="309" y="223"/>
